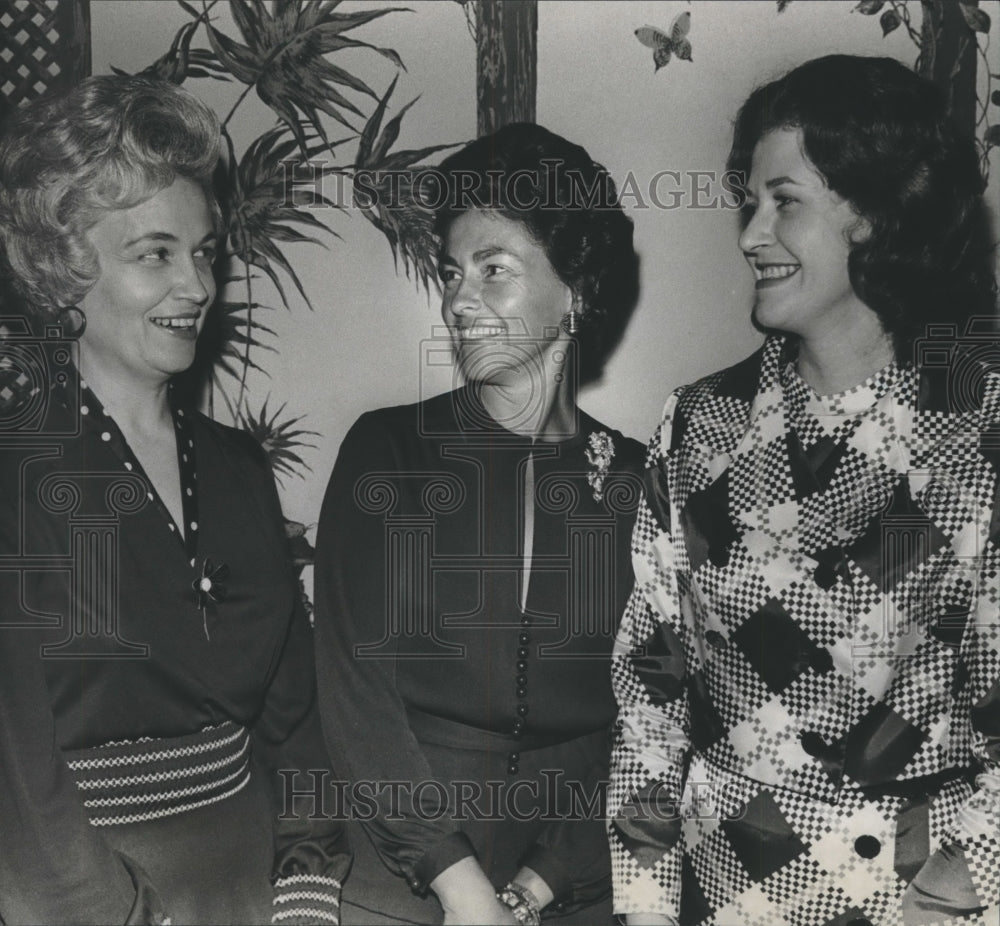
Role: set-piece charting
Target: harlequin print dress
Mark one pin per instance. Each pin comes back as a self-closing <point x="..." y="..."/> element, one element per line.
<point x="808" y="670"/>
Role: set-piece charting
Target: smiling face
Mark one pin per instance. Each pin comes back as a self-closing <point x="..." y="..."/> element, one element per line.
<point x="503" y="301"/>
<point x="147" y="308"/>
<point x="798" y="241"/>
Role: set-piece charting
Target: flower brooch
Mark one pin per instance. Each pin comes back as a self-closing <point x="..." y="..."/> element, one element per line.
<point x="599" y="455"/>
<point x="210" y="588"/>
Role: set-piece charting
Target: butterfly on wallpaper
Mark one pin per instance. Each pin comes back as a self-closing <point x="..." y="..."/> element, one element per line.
<point x="664" y="45"/>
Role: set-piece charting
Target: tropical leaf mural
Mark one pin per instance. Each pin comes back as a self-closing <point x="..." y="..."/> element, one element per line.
<point x="279" y="438"/>
<point x="385" y="191"/>
<point x="286" y="52"/>
<point x="284" y="56"/>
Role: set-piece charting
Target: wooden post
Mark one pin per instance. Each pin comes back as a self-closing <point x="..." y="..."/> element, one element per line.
<point x="506" y="62"/>
<point x="948" y="57"/>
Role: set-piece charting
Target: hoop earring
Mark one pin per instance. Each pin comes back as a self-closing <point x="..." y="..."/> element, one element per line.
<point x="571" y="322"/>
<point x="73" y="321"/>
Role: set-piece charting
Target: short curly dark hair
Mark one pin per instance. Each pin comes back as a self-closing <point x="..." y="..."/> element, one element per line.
<point x="110" y="142"/>
<point x="569" y="205"/>
<point x="882" y="138"/>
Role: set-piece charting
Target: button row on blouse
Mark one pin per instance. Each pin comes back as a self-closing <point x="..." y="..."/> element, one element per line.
<point x="521" y="690"/>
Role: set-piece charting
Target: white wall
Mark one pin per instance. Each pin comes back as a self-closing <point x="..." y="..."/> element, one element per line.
<point x="596" y="83"/>
<point x="361" y="347"/>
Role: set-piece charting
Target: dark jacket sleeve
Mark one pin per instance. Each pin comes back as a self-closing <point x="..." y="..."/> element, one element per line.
<point x="311" y="851"/>
<point x="54" y="866"/>
<point x="364" y="718"/>
<point x="571" y="855"/>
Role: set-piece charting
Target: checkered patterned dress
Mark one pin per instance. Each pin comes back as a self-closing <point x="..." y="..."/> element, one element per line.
<point x="808" y="670"/>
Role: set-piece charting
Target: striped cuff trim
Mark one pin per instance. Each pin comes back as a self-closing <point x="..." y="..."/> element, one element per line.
<point x="306" y="913"/>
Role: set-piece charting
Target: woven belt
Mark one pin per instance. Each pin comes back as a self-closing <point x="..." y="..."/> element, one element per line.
<point x="131" y="782"/>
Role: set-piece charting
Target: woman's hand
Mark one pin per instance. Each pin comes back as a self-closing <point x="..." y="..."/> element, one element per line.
<point x="468" y="898"/>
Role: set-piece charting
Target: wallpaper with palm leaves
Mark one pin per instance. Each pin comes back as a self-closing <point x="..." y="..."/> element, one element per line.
<point x="286" y="53"/>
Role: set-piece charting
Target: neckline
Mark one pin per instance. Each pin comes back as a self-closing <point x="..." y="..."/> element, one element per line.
<point x="95" y="418"/>
<point x="849" y="402"/>
<point x="471" y="412"/>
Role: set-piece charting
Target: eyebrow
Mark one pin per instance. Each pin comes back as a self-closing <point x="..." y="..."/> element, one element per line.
<point x="165" y="236"/>
<point x="481" y="254"/>
<point x="779" y="181"/>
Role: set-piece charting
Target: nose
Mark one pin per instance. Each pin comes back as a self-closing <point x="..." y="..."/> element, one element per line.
<point x="464" y="296"/>
<point x="758" y="231"/>
<point x="195" y="282"/>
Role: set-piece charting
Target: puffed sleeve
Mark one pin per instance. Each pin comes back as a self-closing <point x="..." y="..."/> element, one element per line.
<point x="311" y="851"/>
<point x="364" y="718"/>
<point x="963" y="875"/>
<point x="648" y="675"/>
<point x="54" y="866"/>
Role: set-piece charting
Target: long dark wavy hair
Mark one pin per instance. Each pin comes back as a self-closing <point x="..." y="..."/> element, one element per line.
<point x="881" y="138"/>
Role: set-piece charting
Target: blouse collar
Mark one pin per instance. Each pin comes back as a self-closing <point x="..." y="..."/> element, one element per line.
<point x="95" y="419"/>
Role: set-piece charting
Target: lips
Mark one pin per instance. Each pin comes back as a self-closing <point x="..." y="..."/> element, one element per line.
<point x="773" y="274"/>
<point x="177" y="324"/>
<point x="481" y="332"/>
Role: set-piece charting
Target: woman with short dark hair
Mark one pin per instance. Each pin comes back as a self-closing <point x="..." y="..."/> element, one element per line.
<point x="471" y="555"/>
<point x="808" y="671"/>
<point x="156" y="662"/>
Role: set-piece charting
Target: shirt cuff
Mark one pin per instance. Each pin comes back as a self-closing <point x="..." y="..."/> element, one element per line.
<point x="443" y="854"/>
<point x="306" y="898"/>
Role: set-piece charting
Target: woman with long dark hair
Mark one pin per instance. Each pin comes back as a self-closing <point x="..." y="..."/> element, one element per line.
<point x="808" y="671"/>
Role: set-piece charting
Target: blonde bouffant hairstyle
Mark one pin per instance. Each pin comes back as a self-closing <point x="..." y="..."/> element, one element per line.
<point x="111" y="142"/>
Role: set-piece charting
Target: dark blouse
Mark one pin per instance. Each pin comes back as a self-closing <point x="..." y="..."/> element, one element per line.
<point x="420" y="558"/>
<point x="121" y="625"/>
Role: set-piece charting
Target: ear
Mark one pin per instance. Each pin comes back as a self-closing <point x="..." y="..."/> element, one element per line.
<point x="860" y="232"/>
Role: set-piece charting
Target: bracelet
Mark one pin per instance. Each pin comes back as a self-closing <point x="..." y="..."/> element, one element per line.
<point x="522" y="902"/>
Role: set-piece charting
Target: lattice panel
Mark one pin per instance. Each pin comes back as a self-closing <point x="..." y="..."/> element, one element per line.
<point x="43" y="44"/>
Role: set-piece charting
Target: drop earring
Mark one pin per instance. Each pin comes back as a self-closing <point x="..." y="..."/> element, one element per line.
<point x="73" y="321"/>
<point x="572" y="321"/>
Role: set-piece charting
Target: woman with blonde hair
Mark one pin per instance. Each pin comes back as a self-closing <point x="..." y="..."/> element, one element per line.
<point x="156" y="663"/>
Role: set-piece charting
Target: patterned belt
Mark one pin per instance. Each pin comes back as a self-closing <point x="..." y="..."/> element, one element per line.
<point x="131" y="782"/>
